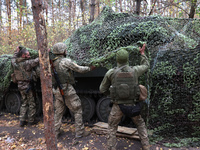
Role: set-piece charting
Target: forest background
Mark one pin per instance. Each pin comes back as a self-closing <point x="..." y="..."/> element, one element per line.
<point x="63" y="17"/>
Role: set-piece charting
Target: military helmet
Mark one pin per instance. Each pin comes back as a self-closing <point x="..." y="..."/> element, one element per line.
<point x="122" y="56"/>
<point x="59" y="48"/>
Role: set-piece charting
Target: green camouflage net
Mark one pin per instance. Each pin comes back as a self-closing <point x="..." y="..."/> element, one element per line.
<point x="173" y="46"/>
<point x="6" y="71"/>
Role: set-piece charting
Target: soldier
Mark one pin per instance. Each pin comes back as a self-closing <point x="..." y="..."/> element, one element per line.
<point x="23" y="70"/>
<point x="120" y="99"/>
<point x="64" y="67"/>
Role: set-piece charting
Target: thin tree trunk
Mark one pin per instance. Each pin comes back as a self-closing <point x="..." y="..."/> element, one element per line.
<point x="116" y="5"/>
<point x="193" y="8"/>
<point x="82" y="2"/>
<point x="20" y="13"/>
<point x="45" y="74"/>
<point x="98" y="7"/>
<point x="120" y="5"/>
<point x="9" y="21"/>
<point x="52" y="11"/>
<point x="138" y="5"/>
<point x="18" y="26"/>
<point x="92" y="9"/>
<point x="151" y="12"/>
<point x="46" y="9"/>
<point x="26" y="13"/>
<point x="73" y="13"/>
<point x="1" y="13"/>
<point x="70" y="18"/>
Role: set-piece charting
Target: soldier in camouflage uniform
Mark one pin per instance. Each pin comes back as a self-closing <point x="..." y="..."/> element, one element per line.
<point x="23" y="69"/>
<point x="64" y="67"/>
<point x="116" y="113"/>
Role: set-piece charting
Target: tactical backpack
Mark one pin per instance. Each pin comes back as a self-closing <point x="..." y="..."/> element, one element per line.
<point x="124" y="90"/>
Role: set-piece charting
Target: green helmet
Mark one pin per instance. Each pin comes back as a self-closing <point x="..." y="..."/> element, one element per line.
<point x="59" y="48"/>
<point x="122" y="56"/>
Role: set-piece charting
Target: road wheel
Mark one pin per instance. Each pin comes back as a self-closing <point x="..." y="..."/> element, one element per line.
<point x="88" y="106"/>
<point x="103" y="109"/>
<point x="13" y="102"/>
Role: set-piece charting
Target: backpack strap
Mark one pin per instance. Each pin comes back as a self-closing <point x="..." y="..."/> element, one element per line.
<point x="117" y="70"/>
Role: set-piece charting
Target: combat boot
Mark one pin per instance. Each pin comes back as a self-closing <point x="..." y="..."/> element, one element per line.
<point x="22" y="123"/>
<point x="59" y="133"/>
<point x="85" y="133"/>
<point x="111" y="148"/>
<point x="33" y="122"/>
<point x="146" y="147"/>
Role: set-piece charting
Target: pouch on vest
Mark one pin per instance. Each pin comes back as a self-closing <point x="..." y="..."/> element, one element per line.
<point x="124" y="90"/>
<point x="131" y="111"/>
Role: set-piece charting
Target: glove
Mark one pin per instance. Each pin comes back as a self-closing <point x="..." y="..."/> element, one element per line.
<point x="92" y="68"/>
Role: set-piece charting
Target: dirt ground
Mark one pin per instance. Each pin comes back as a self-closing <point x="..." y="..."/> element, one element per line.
<point x="13" y="137"/>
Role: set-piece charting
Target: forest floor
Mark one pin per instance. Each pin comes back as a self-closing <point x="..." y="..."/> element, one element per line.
<point x="13" y="137"/>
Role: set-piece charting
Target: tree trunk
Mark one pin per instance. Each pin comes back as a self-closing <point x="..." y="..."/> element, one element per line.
<point x="1" y="13"/>
<point x="116" y="5"/>
<point x="82" y="2"/>
<point x="92" y="9"/>
<point x="45" y="75"/>
<point x="193" y="8"/>
<point x="120" y="5"/>
<point x="26" y="13"/>
<point x="9" y="21"/>
<point x="70" y="17"/>
<point x="52" y="5"/>
<point x="138" y="5"/>
<point x="20" y="13"/>
<point x="98" y="8"/>
<point x="73" y="13"/>
<point x="151" y="12"/>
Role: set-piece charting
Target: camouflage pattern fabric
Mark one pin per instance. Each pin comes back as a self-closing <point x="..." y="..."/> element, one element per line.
<point x="139" y="70"/>
<point x="113" y="121"/>
<point x="116" y="114"/>
<point x="28" y="106"/>
<point x="28" y="102"/>
<point x="72" y="100"/>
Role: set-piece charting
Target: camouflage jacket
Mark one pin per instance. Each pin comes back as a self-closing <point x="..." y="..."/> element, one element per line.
<point x="64" y="66"/>
<point x="23" y="69"/>
<point x="138" y="71"/>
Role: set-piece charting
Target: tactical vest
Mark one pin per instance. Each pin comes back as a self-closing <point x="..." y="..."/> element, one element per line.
<point x="64" y="75"/>
<point x="20" y="73"/>
<point x="124" y="89"/>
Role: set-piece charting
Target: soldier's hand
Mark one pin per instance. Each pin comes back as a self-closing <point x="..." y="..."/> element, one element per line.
<point x="92" y="68"/>
<point x="142" y="49"/>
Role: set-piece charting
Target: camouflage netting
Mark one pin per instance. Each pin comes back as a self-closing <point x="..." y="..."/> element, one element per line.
<point x="173" y="46"/>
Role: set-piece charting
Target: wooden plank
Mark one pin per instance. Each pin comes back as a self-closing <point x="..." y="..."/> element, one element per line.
<point x="121" y="129"/>
<point x="101" y="131"/>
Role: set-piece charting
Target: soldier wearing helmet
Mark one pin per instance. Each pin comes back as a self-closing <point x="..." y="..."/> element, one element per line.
<point x="64" y="67"/>
<point x="128" y="102"/>
<point x="23" y="67"/>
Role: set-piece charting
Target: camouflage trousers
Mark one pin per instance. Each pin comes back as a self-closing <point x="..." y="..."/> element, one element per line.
<point x="28" y="106"/>
<point x="113" y="121"/>
<point x="73" y="102"/>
